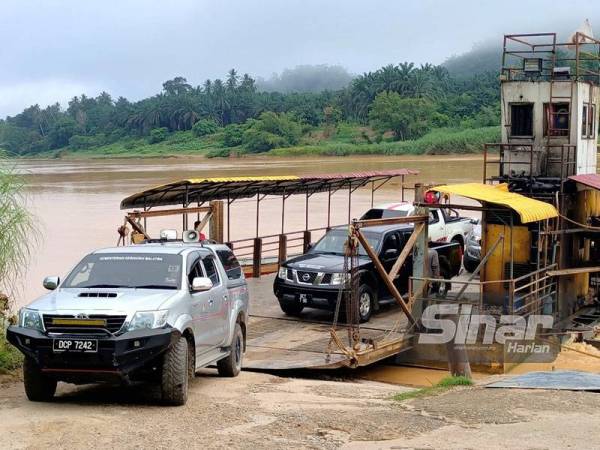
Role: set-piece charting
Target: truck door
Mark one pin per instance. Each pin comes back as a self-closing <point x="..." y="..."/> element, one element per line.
<point x="389" y="254"/>
<point x="199" y="306"/>
<point x="437" y="227"/>
<point x="218" y="311"/>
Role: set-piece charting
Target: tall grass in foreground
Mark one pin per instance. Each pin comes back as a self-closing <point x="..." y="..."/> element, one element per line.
<point x="16" y="226"/>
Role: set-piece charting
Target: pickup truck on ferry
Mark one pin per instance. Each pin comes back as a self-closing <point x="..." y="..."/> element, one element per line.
<point x="314" y="279"/>
<point x="445" y="225"/>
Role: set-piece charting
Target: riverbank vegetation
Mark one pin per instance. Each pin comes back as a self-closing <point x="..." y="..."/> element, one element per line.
<point x="436" y="389"/>
<point x="15" y="244"/>
<point x="394" y="110"/>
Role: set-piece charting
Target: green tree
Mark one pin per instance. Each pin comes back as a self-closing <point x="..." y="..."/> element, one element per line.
<point x="272" y="130"/>
<point x="408" y="118"/>
<point x="204" y="127"/>
<point x="158" y="135"/>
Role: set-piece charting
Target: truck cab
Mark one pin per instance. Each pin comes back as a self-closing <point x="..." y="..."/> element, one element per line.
<point x="150" y="312"/>
<point x="445" y="224"/>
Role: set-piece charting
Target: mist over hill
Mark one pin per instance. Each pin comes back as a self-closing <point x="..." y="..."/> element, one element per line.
<point x="307" y="78"/>
<point x="484" y="57"/>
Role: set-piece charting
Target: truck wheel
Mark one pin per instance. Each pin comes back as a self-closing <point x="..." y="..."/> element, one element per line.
<point x="38" y="387"/>
<point x="291" y="308"/>
<point x="470" y="265"/>
<point x="366" y="302"/>
<point x="175" y="374"/>
<point x="231" y="366"/>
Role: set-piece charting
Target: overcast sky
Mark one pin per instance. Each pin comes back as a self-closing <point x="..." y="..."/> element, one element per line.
<point x="51" y="50"/>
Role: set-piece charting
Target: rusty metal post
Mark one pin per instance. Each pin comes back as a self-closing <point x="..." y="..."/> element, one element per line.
<point x="215" y="227"/>
<point x="329" y="208"/>
<point x="282" y="251"/>
<point x="256" y="257"/>
<point x="228" y="218"/>
<point x="257" y="211"/>
<point x="306" y="238"/>
<point x="306" y="212"/>
<point x="349" y="200"/>
<point x="283" y="212"/>
<point x="402" y="187"/>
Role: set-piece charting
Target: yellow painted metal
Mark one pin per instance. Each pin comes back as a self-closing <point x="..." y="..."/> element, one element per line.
<point x="494" y="269"/>
<point x="80" y="322"/>
<point x="240" y="179"/>
<point x="529" y="210"/>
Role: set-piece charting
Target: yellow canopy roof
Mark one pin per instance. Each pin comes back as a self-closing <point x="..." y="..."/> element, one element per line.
<point x="529" y="210"/>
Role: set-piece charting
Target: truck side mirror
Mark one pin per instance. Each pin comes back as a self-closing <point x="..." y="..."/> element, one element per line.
<point x="201" y="284"/>
<point x="51" y="283"/>
<point x="390" y="253"/>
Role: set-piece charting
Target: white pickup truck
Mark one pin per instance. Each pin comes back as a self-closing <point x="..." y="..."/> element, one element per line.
<point x="445" y="225"/>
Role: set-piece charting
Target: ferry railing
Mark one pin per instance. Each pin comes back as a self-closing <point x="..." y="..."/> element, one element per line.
<point x="532" y="293"/>
<point x="271" y="250"/>
<point x="561" y="155"/>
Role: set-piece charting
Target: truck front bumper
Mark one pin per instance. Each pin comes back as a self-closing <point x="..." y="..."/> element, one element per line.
<point x="311" y="296"/>
<point x="117" y="356"/>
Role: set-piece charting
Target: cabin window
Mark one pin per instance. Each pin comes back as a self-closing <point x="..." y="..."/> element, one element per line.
<point x="521" y="120"/>
<point x="588" y="121"/>
<point x="556" y="119"/>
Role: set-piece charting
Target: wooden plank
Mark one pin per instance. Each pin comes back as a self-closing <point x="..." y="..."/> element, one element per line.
<point x="256" y="258"/>
<point x="390" y="221"/>
<point x="406" y="251"/>
<point x="391" y="287"/>
<point x="573" y="271"/>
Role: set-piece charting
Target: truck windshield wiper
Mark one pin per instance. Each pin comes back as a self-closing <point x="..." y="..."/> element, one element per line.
<point x="155" y="286"/>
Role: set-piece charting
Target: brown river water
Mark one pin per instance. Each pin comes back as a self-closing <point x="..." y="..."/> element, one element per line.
<point x="76" y="202"/>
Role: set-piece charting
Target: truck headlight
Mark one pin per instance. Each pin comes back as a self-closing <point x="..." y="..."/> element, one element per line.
<point x="339" y="278"/>
<point x="29" y="318"/>
<point x="282" y="273"/>
<point x="148" y="319"/>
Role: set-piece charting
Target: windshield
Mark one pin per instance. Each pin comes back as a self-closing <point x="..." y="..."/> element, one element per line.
<point x="122" y="270"/>
<point x="377" y="213"/>
<point x="333" y="243"/>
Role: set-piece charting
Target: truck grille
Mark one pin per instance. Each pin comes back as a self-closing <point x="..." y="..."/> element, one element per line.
<point x="56" y="323"/>
<point x="306" y="277"/>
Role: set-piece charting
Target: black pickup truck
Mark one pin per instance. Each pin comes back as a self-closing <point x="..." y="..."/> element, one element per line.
<point x="314" y="279"/>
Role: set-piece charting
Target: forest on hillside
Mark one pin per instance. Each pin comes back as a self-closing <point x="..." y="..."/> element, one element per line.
<point x="307" y="105"/>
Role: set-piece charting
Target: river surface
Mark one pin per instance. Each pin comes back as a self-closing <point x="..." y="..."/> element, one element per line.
<point x="76" y="202"/>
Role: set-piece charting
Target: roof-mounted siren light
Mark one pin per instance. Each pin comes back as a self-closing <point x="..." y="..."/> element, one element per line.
<point x="432" y="197"/>
<point x="191" y="236"/>
<point x="168" y="235"/>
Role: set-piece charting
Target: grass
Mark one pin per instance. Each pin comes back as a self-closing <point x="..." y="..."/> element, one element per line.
<point x="343" y="140"/>
<point x="10" y="357"/>
<point x="440" y="141"/>
<point x="443" y="386"/>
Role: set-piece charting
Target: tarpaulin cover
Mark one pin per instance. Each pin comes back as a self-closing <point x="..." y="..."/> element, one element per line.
<point x="569" y="380"/>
